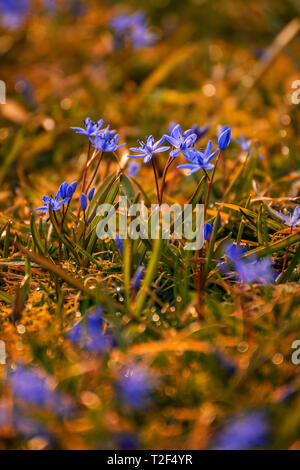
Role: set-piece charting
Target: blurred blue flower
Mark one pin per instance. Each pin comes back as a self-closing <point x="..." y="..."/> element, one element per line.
<point x="136" y="386"/>
<point x="224" y="135"/>
<point x="13" y="12"/>
<point x="134" y="169"/>
<point x="258" y="271"/>
<point x="234" y="252"/>
<point x="248" y="271"/>
<point x="127" y="441"/>
<point x="141" y="37"/>
<point x="89" y="334"/>
<point x="245" y="145"/>
<point x="132" y="28"/>
<point x="199" y="131"/>
<point x="35" y="390"/>
<point x="225" y="363"/>
<point x="179" y="140"/>
<point x="208" y="228"/>
<point x="148" y="149"/>
<point x="119" y="243"/>
<point x="292" y="219"/>
<point x="248" y="431"/>
<point x="92" y="128"/>
<point x="83" y="202"/>
<point x="199" y="160"/>
<point x="138" y="276"/>
<point x="27" y="91"/>
<point x="123" y="22"/>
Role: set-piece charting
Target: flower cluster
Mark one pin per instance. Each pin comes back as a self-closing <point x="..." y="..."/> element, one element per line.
<point x="105" y="140"/>
<point x="180" y="140"/>
<point x="132" y="28"/>
<point x="63" y="196"/>
<point x="183" y="142"/>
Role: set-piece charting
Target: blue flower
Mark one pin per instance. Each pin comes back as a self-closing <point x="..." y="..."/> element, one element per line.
<point x="247" y="271"/>
<point x="13" y="12"/>
<point x="247" y="431"/>
<point x="225" y="363"/>
<point x="27" y="90"/>
<point x="66" y="190"/>
<point x="207" y="231"/>
<point x="245" y="145"/>
<point x="141" y="37"/>
<point x="107" y="141"/>
<point x="259" y="271"/>
<point x="119" y="243"/>
<point x="134" y="169"/>
<point x="199" y="131"/>
<point x="133" y="28"/>
<point x="89" y="334"/>
<point x="52" y="202"/>
<point x="199" y="160"/>
<point x="122" y="22"/>
<point x="83" y="202"/>
<point x="179" y="140"/>
<point x="224" y="135"/>
<point x="127" y="441"/>
<point x="135" y="387"/>
<point x="138" y="276"/>
<point x="92" y="128"/>
<point x="35" y="390"/>
<point x="292" y="219"/>
<point x="91" y="193"/>
<point x="148" y="149"/>
<point x="234" y="252"/>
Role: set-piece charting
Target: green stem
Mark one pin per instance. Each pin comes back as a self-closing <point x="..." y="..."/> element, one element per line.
<point x="156" y="180"/>
<point x="149" y="276"/>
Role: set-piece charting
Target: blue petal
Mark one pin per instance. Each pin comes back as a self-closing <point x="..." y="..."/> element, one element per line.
<point x="174" y="153"/>
<point x="161" y="149"/>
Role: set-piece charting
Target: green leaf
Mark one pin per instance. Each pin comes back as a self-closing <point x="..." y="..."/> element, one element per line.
<point x="127" y="188"/>
<point x="35" y="236"/>
<point x="284" y="277"/>
<point x="273" y="247"/>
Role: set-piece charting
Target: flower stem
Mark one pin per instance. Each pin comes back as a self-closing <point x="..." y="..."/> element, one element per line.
<point x="83" y="236"/>
<point x="84" y="178"/>
<point x="199" y="270"/>
<point x="156" y="180"/>
<point x="220" y="154"/>
<point x="286" y="254"/>
<point x="59" y="241"/>
<point x="94" y="173"/>
<point x="162" y="187"/>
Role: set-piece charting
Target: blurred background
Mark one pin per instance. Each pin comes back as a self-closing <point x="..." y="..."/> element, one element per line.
<point x="211" y="63"/>
<point x="205" y="62"/>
